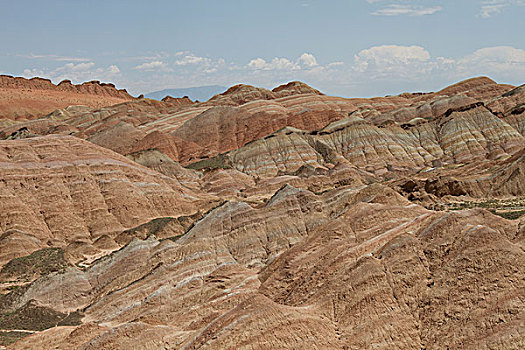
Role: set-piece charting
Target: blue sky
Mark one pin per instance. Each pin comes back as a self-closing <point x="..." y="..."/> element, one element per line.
<point x="347" y="48"/>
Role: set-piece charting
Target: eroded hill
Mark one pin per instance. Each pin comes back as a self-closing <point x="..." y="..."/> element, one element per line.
<point x="268" y="219"/>
<point x="22" y="98"/>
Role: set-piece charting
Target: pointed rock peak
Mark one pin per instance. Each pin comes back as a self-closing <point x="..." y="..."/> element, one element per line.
<point x="295" y="88"/>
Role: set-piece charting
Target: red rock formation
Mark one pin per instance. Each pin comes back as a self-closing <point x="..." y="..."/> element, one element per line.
<point x="22" y="98"/>
<point x="184" y="101"/>
<point x="241" y="94"/>
<point x="93" y="87"/>
<point x="303" y="221"/>
<point x="57" y="190"/>
<point x="479" y="88"/>
<point x="352" y="268"/>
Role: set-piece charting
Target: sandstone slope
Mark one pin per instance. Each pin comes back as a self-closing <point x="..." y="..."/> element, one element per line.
<point x="267" y="219"/>
<point x="60" y="191"/>
<point x="353" y="268"/>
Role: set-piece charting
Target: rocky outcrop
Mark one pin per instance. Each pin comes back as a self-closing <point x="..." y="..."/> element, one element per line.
<point x="22" y="98"/>
<point x="300" y="221"/>
<point x="60" y="190"/>
<point x="176" y="101"/>
<point x="189" y="132"/>
<point x="94" y="87"/>
<point x="353" y="268"/>
<point x="479" y="88"/>
<point x="459" y="136"/>
<point x="241" y="94"/>
<point x="295" y="88"/>
<point x="487" y="179"/>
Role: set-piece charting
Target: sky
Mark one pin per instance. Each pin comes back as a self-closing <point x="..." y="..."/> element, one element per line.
<point x="349" y="48"/>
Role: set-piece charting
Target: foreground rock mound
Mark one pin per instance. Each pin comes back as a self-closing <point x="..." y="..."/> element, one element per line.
<point x="354" y="268"/>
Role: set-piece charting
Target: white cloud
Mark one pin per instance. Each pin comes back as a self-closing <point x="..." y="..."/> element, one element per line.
<point x="76" y="72"/>
<point x="153" y="65"/>
<point x="500" y="60"/>
<point x="307" y="60"/>
<point x="34" y="72"/>
<point x="192" y="59"/>
<point x="376" y="70"/>
<point x="487" y="11"/>
<point x="392" y="59"/>
<point x="507" y="54"/>
<point x="406" y="66"/>
<point x="278" y="63"/>
<point x="372" y="71"/>
<point x="406" y="10"/>
<point x="113" y="70"/>
<point x="257" y="63"/>
<point x="71" y="67"/>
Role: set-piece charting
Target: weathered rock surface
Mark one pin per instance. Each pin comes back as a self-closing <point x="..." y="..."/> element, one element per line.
<point x="58" y="190"/>
<point x="485" y="179"/>
<point x="188" y="132"/>
<point x="300" y="221"/>
<point x="459" y="136"/>
<point x="349" y="269"/>
<point x="22" y="98"/>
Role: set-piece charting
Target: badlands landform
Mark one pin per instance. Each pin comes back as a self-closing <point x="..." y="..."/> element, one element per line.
<point x="261" y="219"/>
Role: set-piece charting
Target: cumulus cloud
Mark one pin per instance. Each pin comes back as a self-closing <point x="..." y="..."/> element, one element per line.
<point x="500" y="60"/>
<point x="257" y="63"/>
<point x="71" y="67"/>
<point x="278" y="63"/>
<point x="307" y="60"/>
<point x="76" y="72"/>
<point x="406" y="10"/>
<point x="113" y="70"/>
<point x="406" y="66"/>
<point x="387" y="60"/>
<point x="368" y="72"/>
<point x="191" y="59"/>
<point x="371" y="71"/>
<point x="153" y="65"/>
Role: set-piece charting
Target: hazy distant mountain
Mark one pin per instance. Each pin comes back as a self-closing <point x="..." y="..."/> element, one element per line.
<point x="201" y="93"/>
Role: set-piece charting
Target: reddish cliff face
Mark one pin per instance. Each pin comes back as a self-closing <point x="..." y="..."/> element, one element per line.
<point x="22" y="98"/>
